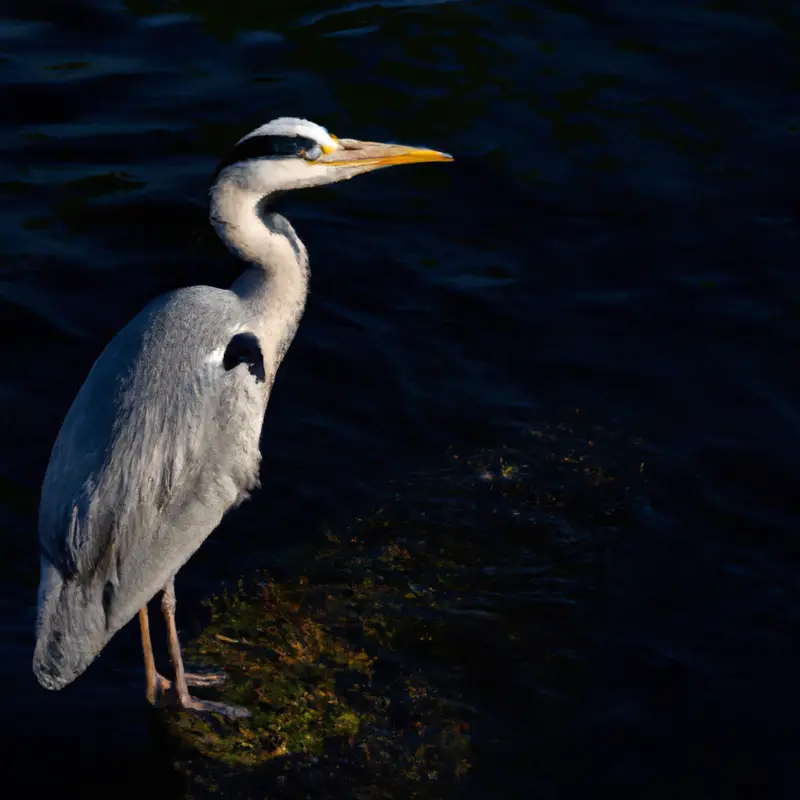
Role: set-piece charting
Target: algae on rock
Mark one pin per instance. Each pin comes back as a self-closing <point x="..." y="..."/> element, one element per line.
<point x="360" y="663"/>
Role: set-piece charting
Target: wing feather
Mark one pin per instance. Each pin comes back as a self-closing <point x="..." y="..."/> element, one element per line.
<point x="161" y="440"/>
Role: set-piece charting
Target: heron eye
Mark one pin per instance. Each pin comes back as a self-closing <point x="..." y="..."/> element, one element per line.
<point x="311" y="153"/>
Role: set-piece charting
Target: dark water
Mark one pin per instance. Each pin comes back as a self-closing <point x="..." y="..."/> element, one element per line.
<point x="618" y="234"/>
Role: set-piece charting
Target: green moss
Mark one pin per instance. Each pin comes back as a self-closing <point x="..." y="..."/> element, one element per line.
<point x="301" y="655"/>
<point x="359" y="661"/>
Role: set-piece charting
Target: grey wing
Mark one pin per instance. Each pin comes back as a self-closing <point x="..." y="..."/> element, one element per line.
<point x="161" y="440"/>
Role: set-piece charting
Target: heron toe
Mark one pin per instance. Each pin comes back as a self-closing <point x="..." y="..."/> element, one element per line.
<point x="210" y="706"/>
<point x="205" y="679"/>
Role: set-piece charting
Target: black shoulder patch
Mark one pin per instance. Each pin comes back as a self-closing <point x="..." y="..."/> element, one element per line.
<point x="245" y="349"/>
<point x="265" y="146"/>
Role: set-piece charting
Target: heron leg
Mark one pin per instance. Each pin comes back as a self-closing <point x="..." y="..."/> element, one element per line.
<point x="182" y="697"/>
<point x="149" y="660"/>
<point x="157" y="686"/>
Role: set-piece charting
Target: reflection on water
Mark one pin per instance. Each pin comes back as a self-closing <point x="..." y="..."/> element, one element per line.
<point x="617" y="234"/>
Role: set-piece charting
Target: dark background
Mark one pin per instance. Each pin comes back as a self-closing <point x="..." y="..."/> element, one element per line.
<point x="618" y="234"/>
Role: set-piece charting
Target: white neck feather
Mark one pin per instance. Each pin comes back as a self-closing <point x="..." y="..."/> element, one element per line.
<point x="259" y="238"/>
<point x="276" y="285"/>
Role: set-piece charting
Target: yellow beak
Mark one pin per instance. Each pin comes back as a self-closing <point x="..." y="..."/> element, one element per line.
<point x="373" y="155"/>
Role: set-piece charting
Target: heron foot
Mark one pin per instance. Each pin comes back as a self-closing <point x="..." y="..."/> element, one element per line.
<point x="202" y="679"/>
<point x="197" y="680"/>
<point x="170" y="698"/>
<point x="190" y="703"/>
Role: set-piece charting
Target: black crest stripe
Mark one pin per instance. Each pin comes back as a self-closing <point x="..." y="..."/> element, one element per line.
<point x="266" y="146"/>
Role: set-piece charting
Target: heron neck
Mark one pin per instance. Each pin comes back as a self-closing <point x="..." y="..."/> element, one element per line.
<point x="276" y="284"/>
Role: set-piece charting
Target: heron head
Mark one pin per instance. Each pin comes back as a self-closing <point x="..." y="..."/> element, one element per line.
<point x="291" y="153"/>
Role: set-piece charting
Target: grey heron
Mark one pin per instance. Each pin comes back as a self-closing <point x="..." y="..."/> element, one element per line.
<point x="162" y="439"/>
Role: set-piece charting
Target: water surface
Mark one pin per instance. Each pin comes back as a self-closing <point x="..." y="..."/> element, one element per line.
<point x="618" y="235"/>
